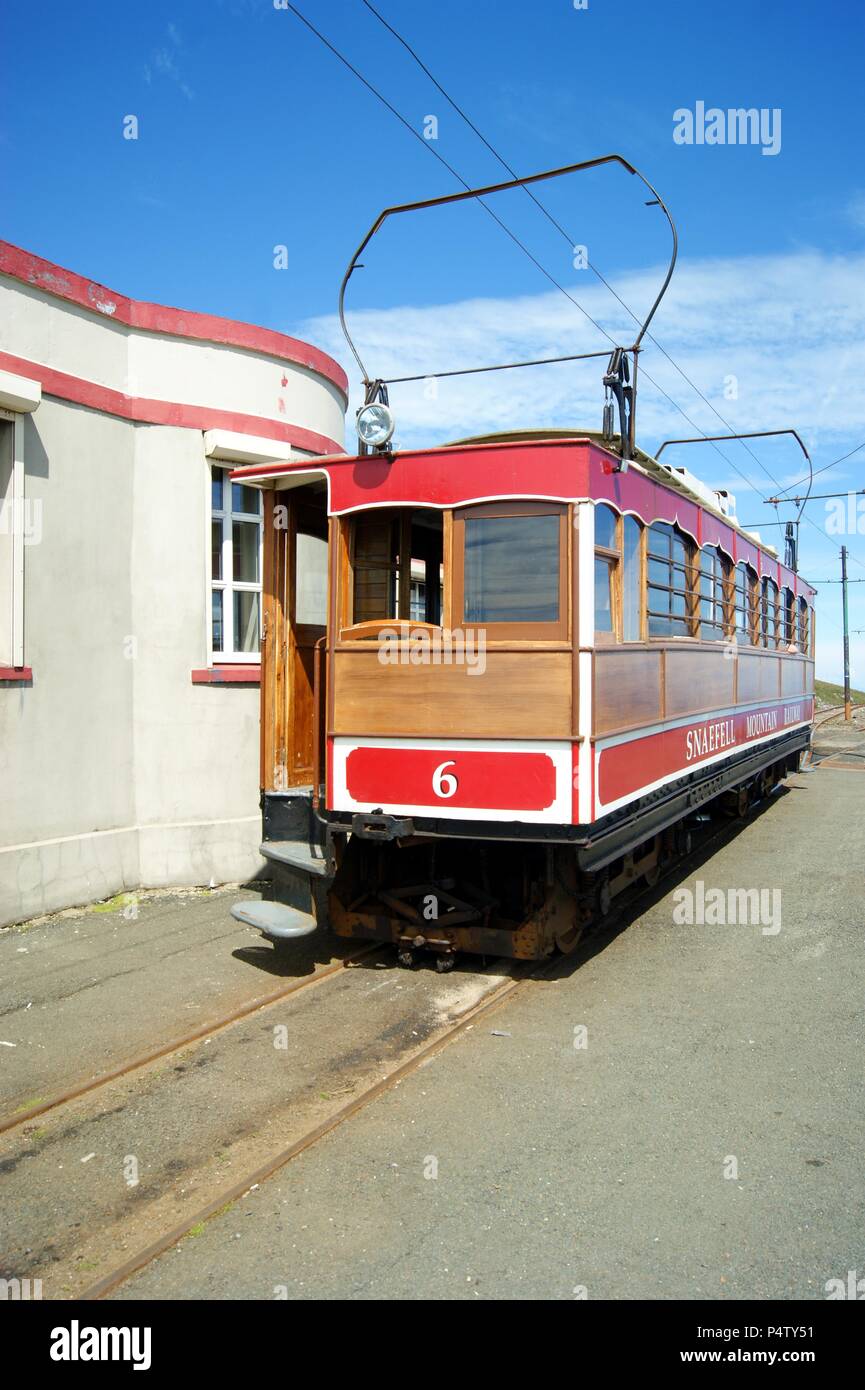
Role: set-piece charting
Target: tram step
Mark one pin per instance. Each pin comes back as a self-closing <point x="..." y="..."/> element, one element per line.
<point x="275" y="920"/>
<point x="295" y="856"/>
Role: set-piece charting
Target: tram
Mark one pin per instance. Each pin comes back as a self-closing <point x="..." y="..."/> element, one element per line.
<point x="500" y="676"/>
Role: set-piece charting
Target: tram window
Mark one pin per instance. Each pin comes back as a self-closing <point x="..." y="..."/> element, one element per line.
<point x="310" y="596"/>
<point x="802" y="626"/>
<point x="607" y="562"/>
<point x="604" y="595"/>
<point x="788" y="619"/>
<point x="632" y="580"/>
<point x="714" y="571"/>
<point x="745" y="603"/>
<point x="512" y="569"/>
<point x="769" y="633"/>
<point x="669" y="595"/>
<point x="396" y="559"/>
<point x="618" y="576"/>
<point x="374" y="565"/>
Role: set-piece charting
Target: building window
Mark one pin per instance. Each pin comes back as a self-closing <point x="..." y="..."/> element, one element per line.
<point x="236" y="544"/>
<point x="769" y="630"/>
<point x="745" y="603"/>
<point x="670" y="588"/>
<point x="19" y="525"/>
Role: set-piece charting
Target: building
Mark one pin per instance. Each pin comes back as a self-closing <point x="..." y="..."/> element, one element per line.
<point x="130" y="573"/>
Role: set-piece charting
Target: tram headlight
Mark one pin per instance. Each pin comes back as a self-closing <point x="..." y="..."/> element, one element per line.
<point x="375" y="424"/>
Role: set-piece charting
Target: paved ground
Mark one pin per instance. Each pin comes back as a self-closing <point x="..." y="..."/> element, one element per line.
<point x="85" y="990"/>
<point x="711" y="1050"/>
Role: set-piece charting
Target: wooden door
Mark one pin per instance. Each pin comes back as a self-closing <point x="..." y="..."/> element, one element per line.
<point x="295" y="611"/>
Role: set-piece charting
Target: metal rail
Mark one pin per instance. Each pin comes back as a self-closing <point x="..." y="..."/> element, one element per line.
<point x="155" y="1054"/>
<point x="609" y="923"/>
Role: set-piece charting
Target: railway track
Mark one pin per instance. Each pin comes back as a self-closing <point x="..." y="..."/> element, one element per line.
<point x="825" y="716"/>
<point x="145" y="1059"/>
<point x="521" y="979"/>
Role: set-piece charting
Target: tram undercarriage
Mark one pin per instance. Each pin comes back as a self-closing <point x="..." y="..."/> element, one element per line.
<point x="444" y="893"/>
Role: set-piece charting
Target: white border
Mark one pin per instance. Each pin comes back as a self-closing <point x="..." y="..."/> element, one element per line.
<point x="559" y="752"/>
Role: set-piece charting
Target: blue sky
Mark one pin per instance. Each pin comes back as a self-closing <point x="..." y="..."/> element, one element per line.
<point x="252" y="135"/>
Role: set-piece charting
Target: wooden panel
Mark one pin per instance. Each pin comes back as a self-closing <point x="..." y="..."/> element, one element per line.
<point x="274" y="685"/>
<point x="792" y="675"/>
<point x="698" y="680"/>
<point x="519" y="695"/>
<point x="627" y="688"/>
<point x="268" y="621"/>
<point x="302" y="717"/>
<point x="758" y="677"/>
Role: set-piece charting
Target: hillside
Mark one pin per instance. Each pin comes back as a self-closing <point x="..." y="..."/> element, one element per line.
<point x="829" y="694"/>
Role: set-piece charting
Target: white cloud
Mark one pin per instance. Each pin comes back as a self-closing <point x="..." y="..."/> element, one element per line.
<point x="164" y="61"/>
<point x="790" y="330"/>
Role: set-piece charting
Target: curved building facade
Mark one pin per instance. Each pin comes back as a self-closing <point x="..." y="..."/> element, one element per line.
<point x="130" y="582"/>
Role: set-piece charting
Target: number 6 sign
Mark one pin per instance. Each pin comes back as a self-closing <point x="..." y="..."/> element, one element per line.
<point x="444" y="783"/>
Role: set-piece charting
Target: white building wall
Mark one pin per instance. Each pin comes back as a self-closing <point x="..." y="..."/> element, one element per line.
<point x="117" y="771"/>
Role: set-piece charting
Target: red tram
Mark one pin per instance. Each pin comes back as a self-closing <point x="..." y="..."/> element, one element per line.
<point x="499" y="675"/>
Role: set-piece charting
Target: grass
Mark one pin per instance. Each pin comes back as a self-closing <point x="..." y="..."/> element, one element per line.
<point x="829" y="694"/>
<point x="28" y="1104"/>
<point x="115" y="904"/>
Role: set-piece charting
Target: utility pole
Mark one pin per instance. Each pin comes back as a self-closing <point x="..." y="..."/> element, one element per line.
<point x="847" y="705"/>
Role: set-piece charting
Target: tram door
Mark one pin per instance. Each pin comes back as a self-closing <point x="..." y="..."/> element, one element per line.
<point x="297" y="618"/>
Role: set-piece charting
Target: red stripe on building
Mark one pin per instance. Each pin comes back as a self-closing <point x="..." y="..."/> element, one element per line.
<point x="160" y="318"/>
<point x="150" y="412"/>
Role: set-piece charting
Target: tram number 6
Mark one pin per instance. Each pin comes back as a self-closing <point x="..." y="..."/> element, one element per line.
<point x="444" y="783"/>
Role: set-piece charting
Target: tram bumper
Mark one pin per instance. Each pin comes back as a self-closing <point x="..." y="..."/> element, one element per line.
<point x="375" y="826"/>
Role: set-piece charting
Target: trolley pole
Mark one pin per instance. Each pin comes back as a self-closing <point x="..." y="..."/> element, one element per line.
<point x="847" y="705"/>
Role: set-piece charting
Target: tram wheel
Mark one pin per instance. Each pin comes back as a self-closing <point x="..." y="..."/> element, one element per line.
<point x="407" y="958"/>
<point x="445" y="963"/>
